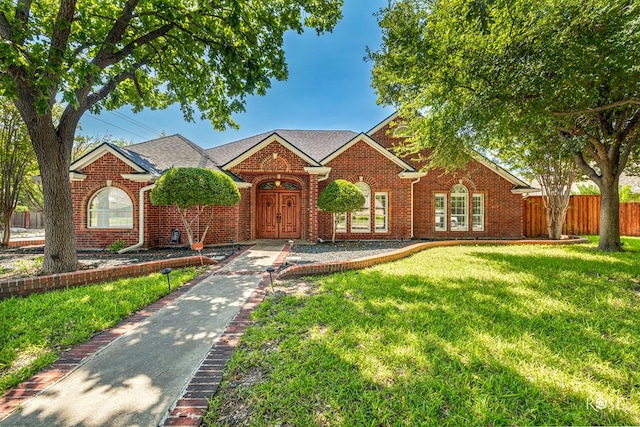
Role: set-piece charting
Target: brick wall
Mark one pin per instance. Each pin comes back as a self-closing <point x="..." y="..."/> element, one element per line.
<point x="262" y="167"/>
<point x="107" y="167"/>
<point x="230" y="223"/>
<point x="30" y="285"/>
<point x="381" y="174"/>
<point x="502" y="209"/>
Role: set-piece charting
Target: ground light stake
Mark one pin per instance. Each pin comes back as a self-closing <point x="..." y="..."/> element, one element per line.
<point x="167" y="272"/>
<point x="270" y="270"/>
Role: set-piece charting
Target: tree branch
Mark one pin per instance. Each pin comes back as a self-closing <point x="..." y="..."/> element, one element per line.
<point x="621" y="103"/>
<point x="105" y="90"/>
<point x="117" y="31"/>
<point x="586" y="169"/>
<point x="59" y="39"/>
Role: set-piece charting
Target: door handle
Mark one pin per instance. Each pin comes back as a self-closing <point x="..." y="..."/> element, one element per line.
<point x="278" y="217"/>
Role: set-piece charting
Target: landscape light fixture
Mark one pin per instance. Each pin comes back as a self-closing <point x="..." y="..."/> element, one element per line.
<point x="270" y="270"/>
<point x="166" y="272"/>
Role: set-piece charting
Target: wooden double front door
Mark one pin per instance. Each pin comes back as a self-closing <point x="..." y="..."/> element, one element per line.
<point x="278" y="214"/>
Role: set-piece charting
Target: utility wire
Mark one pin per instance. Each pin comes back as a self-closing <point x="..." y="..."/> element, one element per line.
<point x="135" y="122"/>
<point x="115" y="126"/>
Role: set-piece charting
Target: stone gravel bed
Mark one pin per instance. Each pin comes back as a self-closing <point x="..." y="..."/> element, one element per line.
<point x="342" y="251"/>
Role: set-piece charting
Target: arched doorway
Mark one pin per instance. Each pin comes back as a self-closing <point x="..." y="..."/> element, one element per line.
<point x="278" y="210"/>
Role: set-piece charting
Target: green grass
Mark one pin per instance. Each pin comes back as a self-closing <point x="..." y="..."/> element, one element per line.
<point x="469" y="335"/>
<point x="35" y="329"/>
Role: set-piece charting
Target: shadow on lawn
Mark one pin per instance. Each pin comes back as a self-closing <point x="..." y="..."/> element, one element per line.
<point x="374" y="348"/>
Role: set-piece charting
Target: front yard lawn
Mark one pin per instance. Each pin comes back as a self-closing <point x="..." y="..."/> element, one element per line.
<point x="469" y="335"/>
<point x="35" y="329"/>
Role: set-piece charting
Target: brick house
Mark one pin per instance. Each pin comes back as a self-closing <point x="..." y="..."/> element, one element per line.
<point x="280" y="175"/>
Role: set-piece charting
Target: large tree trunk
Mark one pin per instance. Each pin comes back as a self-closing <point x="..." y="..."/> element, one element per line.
<point x="60" y="240"/>
<point x="609" y="216"/>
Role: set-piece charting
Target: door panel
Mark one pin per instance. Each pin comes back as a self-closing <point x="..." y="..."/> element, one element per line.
<point x="278" y="215"/>
<point x="267" y="220"/>
<point x="290" y="224"/>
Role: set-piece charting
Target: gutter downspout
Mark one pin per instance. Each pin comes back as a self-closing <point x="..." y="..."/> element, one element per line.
<point x="140" y="221"/>
<point x="324" y="177"/>
<point x="412" y="184"/>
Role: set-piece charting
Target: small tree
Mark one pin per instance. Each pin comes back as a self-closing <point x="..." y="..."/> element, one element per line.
<point x="340" y="196"/>
<point x="194" y="188"/>
<point x="17" y="162"/>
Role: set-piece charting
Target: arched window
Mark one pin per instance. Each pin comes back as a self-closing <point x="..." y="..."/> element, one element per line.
<point x="459" y="208"/>
<point x="110" y="208"/>
<point x="361" y="220"/>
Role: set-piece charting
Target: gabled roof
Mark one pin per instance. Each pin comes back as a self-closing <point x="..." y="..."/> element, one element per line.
<point x="382" y="124"/>
<point x="519" y="185"/>
<point x="373" y="144"/>
<point x="173" y="150"/>
<point x="314" y="144"/>
<point x="137" y="162"/>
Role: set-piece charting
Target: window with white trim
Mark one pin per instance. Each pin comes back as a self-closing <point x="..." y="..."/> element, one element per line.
<point x="440" y="212"/>
<point x="478" y="212"/>
<point x="382" y="212"/>
<point x="340" y="222"/>
<point x="361" y="219"/>
<point x="110" y="208"/>
<point x="459" y="208"/>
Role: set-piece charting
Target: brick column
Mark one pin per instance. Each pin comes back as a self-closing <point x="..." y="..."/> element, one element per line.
<point x="312" y="232"/>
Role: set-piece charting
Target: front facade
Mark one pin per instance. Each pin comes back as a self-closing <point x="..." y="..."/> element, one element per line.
<point x="280" y="175"/>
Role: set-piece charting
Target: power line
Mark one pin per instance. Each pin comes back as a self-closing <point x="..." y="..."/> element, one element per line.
<point x="115" y="126"/>
<point x="135" y="122"/>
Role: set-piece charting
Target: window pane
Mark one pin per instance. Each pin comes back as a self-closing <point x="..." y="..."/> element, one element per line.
<point x="361" y="220"/>
<point x="459" y="208"/>
<point x="381" y="213"/>
<point x="441" y="212"/>
<point x="111" y="208"/>
<point x="478" y="212"/>
<point x="341" y="220"/>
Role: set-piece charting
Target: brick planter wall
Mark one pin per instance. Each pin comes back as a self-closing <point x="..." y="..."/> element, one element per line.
<point x="29" y="285"/>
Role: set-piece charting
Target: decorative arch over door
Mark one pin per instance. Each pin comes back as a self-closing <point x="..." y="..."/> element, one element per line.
<point x="279" y="210"/>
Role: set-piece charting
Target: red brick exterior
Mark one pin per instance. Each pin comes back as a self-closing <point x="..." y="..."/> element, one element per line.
<point x="503" y="213"/>
<point x="381" y="174"/>
<point x="230" y="223"/>
<point x="273" y="161"/>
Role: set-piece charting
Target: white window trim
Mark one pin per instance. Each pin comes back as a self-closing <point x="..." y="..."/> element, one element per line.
<point x="386" y="211"/>
<point x="90" y="211"/>
<point x="367" y="207"/>
<point x="335" y="218"/>
<point x="446" y="214"/>
<point x="465" y="197"/>
<point x="473" y="214"/>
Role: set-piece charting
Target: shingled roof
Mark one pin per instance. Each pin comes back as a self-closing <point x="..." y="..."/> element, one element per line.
<point x="173" y="150"/>
<point x="316" y="144"/>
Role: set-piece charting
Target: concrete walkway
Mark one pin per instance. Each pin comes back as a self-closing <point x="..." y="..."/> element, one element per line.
<point x="135" y="380"/>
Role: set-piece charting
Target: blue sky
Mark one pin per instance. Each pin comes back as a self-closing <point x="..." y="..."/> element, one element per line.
<point x="329" y="87"/>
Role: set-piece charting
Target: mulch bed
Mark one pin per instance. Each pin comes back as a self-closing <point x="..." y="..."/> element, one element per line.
<point x="27" y="261"/>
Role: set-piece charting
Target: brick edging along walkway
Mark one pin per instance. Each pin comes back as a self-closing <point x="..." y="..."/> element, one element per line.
<point x="190" y="408"/>
<point x="356" y="264"/>
<point x="29" y="285"/>
<point x="71" y="359"/>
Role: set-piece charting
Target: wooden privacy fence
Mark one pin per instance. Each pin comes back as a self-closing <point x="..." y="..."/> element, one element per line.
<point x="583" y="216"/>
<point x="29" y="220"/>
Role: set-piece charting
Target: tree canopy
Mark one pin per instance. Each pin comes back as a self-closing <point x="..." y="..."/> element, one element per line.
<point x="470" y="74"/>
<point x="196" y="188"/>
<point x="105" y="54"/>
<point x="338" y="197"/>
